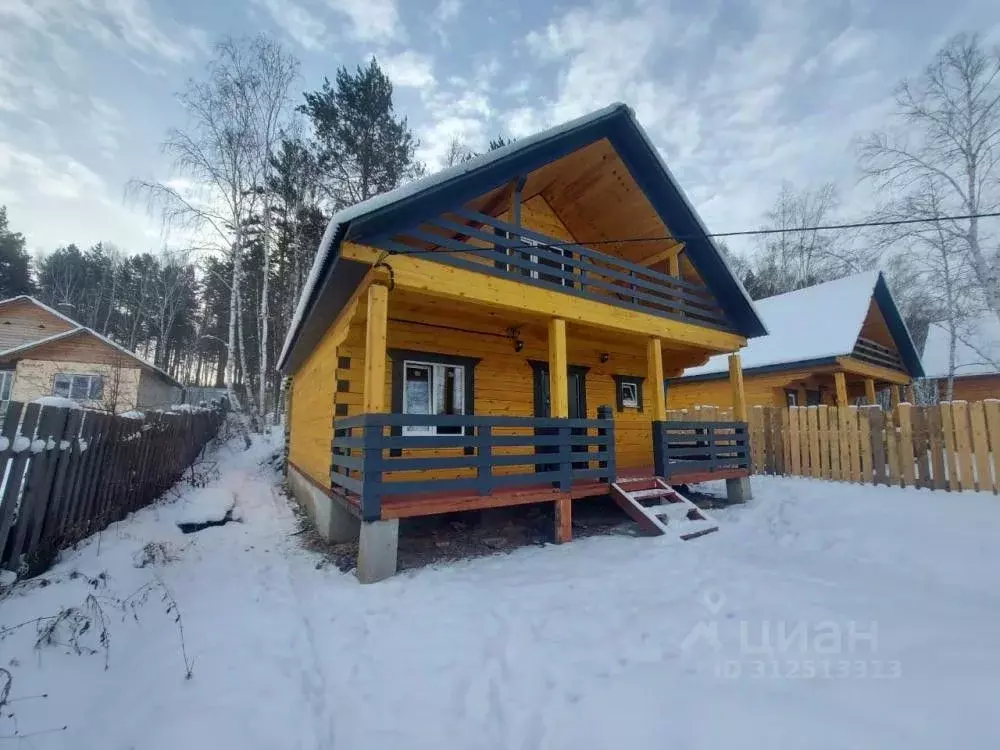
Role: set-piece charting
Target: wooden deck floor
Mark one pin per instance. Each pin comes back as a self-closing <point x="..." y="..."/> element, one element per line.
<point x="422" y="504"/>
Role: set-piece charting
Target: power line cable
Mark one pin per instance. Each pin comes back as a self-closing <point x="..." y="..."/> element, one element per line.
<point x="742" y="233"/>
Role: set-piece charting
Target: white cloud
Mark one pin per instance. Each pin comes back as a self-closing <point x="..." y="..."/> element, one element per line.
<point x="447" y="10"/>
<point x="301" y="24"/>
<point x="105" y="123"/>
<point x="436" y="138"/>
<point x="409" y="68"/>
<point x="371" y="20"/>
<point x="55" y="199"/>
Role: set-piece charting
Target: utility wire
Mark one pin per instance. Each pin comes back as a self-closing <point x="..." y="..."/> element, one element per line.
<point x="683" y="238"/>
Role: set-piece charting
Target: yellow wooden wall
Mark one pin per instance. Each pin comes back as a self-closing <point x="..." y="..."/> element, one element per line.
<point x="973" y="388"/>
<point x="311" y="419"/>
<point x="761" y="390"/>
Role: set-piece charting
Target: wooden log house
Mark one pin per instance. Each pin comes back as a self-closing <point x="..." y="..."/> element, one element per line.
<point x="836" y="343"/>
<point x="499" y="334"/>
<point x="975" y="362"/>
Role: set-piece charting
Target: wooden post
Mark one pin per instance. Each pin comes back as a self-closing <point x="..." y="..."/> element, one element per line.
<point x="841" y="382"/>
<point x="894" y="395"/>
<point x="674" y="264"/>
<point x="870" y="396"/>
<point x="654" y="371"/>
<point x="558" y="366"/>
<point x="559" y="409"/>
<point x="736" y="384"/>
<point x="906" y="455"/>
<point x="375" y="344"/>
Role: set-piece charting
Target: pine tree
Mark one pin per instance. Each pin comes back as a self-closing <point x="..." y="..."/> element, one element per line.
<point x="15" y="265"/>
<point x="363" y="148"/>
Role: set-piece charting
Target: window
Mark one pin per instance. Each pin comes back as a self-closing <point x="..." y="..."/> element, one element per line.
<point x="78" y="387"/>
<point x="430" y="388"/>
<point x="538" y="262"/>
<point x="6" y="382"/>
<point x="628" y="389"/>
<point x="630" y="398"/>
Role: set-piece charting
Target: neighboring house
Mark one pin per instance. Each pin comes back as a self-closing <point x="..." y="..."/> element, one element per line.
<point x="836" y="343"/>
<point x="46" y="353"/>
<point x="977" y="358"/>
<point x="455" y="344"/>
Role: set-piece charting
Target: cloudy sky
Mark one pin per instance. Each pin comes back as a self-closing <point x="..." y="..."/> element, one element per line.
<point x="738" y="94"/>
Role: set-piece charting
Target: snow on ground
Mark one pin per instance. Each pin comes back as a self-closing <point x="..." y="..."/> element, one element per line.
<point x="880" y="605"/>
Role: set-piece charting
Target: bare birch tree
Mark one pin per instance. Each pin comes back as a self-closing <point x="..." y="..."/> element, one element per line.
<point x="948" y="140"/>
<point x="222" y="153"/>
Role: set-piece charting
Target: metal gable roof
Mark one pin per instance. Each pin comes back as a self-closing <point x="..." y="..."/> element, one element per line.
<point x="457" y="185"/>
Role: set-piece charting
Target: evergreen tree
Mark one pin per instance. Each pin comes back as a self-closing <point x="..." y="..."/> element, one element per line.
<point x="15" y="265"/>
<point x="363" y="147"/>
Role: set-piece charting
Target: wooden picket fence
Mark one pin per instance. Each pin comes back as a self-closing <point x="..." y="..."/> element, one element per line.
<point x="67" y="473"/>
<point x="950" y="446"/>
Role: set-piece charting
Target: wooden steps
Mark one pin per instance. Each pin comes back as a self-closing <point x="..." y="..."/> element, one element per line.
<point x="674" y="515"/>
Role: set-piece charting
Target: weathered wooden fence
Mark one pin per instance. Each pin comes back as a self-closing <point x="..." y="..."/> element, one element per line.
<point x="950" y="446"/>
<point x="67" y="473"/>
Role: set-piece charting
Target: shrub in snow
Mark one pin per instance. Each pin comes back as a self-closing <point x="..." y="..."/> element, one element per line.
<point x="132" y="415"/>
<point x="4" y="443"/>
<point x="21" y="443"/>
<point x="37" y="445"/>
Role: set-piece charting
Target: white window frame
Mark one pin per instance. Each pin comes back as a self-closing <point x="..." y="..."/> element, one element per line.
<point x="435" y="371"/>
<point x="6" y="384"/>
<point x="93" y="385"/>
<point x="629" y="402"/>
<point x="791" y="398"/>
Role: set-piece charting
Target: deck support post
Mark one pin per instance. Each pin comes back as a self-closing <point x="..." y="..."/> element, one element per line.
<point x="558" y="370"/>
<point x="738" y="490"/>
<point x="870" y="396"/>
<point x="378" y="540"/>
<point x="736" y="383"/>
<point x="377" y="546"/>
<point x="654" y="373"/>
<point x="894" y="395"/>
<point x="840" y="380"/>
<point x="564" y="518"/>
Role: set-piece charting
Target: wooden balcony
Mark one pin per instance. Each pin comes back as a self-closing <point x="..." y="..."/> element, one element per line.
<point x="478" y="242"/>
<point x="874" y="353"/>
<point x="700" y="451"/>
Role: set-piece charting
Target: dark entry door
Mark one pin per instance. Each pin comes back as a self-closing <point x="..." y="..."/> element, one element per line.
<point x="577" y="387"/>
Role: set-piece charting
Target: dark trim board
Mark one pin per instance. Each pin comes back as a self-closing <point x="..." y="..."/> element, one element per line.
<point x="797" y="365"/>
<point x="900" y="333"/>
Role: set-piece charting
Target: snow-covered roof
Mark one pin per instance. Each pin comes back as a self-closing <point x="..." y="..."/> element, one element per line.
<point x="340" y="222"/>
<point x="74" y="331"/>
<point x="818" y="322"/>
<point x="977" y="348"/>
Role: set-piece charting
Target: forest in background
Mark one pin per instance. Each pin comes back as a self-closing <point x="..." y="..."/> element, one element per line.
<point x="260" y="168"/>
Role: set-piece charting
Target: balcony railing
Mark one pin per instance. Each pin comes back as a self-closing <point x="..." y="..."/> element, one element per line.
<point x="485" y="244"/>
<point x="700" y="449"/>
<point x="374" y="460"/>
<point x="876" y="354"/>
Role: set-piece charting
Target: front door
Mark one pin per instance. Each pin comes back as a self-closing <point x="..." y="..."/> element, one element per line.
<point x="577" y="387"/>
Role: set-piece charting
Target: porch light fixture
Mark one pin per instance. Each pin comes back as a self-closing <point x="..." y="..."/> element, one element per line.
<point x="605" y="357"/>
<point x="515" y="334"/>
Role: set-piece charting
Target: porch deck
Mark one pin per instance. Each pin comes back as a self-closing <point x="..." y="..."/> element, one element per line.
<point x="486" y="463"/>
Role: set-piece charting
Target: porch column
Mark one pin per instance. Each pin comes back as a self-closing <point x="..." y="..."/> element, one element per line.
<point x="736" y="383"/>
<point x="894" y="395"/>
<point x="558" y="367"/>
<point x="841" y="382"/>
<point x="377" y="540"/>
<point x="654" y="373"/>
<point x="375" y="345"/>
<point x="559" y="409"/>
<point x="870" y="391"/>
